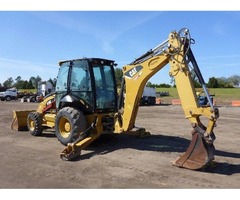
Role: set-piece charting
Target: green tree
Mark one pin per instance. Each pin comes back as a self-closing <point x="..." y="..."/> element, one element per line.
<point x="164" y="85"/>
<point x="19" y="82"/>
<point x="234" y="80"/>
<point x="118" y="75"/>
<point x="223" y="82"/>
<point x="19" y="78"/>
<point x="25" y="85"/>
<point x="38" y="79"/>
<point x="196" y="82"/>
<point x="53" y="81"/>
<point x="8" y="83"/>
<point x="172" y="81"/>
<point x="212" y="82"/>
<point x="149" y="84"/>
<point x="30" y="85"/>
<point x="34" y="82"/>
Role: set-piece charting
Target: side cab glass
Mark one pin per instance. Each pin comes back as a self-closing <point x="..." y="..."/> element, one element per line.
<point x="61" y="85"/>
<point x="105" y="87"/>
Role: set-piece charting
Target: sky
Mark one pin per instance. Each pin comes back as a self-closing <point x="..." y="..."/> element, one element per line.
<point x="33" y="41"/>
<point x="35" y="36"/>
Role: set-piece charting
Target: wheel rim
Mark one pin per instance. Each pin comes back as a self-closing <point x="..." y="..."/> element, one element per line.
<point x="64" y="127"/>
<point x="31" y="124"/>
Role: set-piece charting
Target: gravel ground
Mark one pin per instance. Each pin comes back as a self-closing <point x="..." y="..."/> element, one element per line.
<point x="119" y="161"/>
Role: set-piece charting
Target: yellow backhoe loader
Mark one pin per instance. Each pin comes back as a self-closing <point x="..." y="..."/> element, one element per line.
<point x="86" y="103"/>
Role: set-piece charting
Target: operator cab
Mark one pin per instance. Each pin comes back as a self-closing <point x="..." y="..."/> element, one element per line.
<point x="88" y="84"/>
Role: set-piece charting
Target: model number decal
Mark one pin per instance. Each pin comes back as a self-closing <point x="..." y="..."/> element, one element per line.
<point x="132" y="72"/>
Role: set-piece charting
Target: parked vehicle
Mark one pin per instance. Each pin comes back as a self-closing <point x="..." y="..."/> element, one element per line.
<point x="203" y="100"/>
<point x="9" y="94"/>
<point x="149" y="96"/>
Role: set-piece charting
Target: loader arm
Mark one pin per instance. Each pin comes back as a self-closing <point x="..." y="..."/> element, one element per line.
<point x="176" y="52"/>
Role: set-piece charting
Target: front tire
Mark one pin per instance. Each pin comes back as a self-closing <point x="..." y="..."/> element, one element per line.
<point x="34" y="123"/>
<point x="69" y="123"/>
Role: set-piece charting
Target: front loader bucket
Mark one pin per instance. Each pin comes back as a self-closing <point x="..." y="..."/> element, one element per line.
<point x="19" y="122"/>
<point x="198" y="155"/>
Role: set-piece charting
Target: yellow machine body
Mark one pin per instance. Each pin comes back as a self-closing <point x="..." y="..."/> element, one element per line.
<point x="176" y="52"/>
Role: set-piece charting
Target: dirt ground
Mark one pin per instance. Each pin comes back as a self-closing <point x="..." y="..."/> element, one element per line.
<point x="120" y="161"/>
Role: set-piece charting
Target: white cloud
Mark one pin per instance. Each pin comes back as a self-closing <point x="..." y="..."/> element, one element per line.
<point x="220" y="57"/>
<point x="107" y="48"/>
<point x="96" y="27"/>
<point x="220" y="28"/>
<point x="25" y="69"/>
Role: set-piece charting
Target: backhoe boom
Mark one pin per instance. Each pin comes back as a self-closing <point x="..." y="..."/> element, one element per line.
<point x="177" y="52"/>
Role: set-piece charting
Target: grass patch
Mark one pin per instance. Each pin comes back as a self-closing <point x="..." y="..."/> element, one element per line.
<point x="28" y="90"/>
<point x="221" y="95"/>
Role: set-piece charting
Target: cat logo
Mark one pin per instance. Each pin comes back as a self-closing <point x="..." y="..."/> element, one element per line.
<point x="132" y="72"/>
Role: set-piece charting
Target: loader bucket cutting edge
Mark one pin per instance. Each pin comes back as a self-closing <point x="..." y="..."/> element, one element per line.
<point x="198" y="154"/>
<point x="19" y="122"/>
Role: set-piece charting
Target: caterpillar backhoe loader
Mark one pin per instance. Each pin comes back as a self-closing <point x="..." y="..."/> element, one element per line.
<point x="86" y="102"/>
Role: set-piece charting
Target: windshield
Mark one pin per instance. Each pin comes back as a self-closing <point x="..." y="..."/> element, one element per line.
<point x="61" y="84"/>
<point x="80" y="83"/>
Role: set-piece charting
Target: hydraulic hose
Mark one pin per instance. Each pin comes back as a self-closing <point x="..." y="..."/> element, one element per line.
<point x="199" y="75"/>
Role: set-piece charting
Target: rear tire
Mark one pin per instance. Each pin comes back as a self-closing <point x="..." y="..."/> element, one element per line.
<point x="34" y="123"/>
<point x="8" y="98"/>
<point x="69" y="123"/>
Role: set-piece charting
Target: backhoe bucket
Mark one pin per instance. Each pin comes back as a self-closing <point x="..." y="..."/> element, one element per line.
<point x="198" y="155"/>
<point x="19" y="122"/>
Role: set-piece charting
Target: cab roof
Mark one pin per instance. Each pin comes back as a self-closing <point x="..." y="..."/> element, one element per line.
<point x="107" y="61"/>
